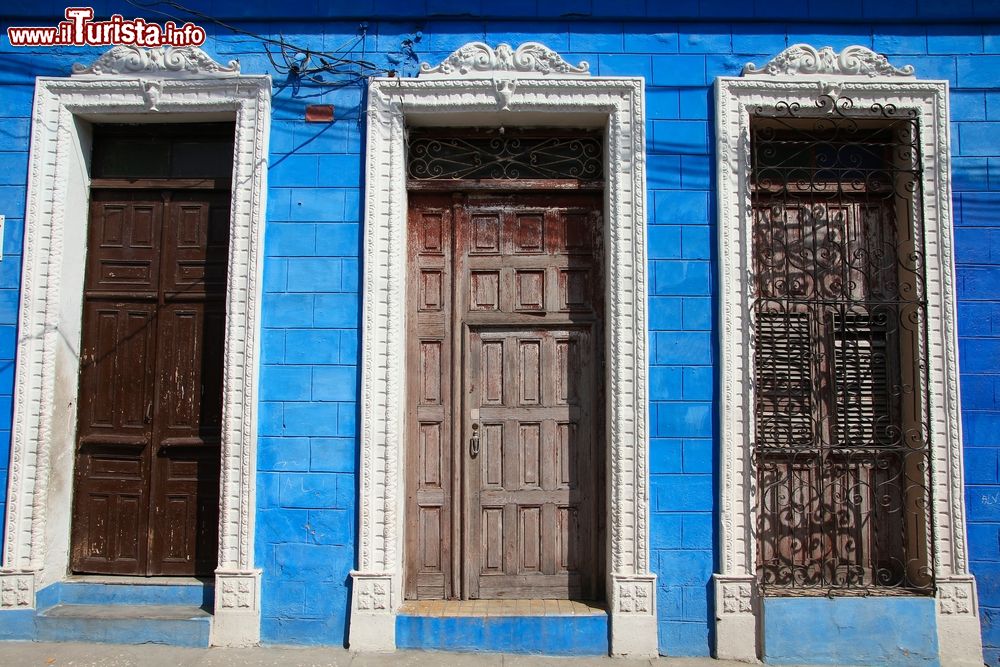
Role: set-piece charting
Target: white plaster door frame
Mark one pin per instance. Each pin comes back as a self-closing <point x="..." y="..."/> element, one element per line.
<point x="129" y="84"/>
<point x="480" y="85"/>
<point x="805" y="76"/>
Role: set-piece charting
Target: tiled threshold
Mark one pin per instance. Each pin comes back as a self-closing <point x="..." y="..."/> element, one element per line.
<point x="499" y="608"/>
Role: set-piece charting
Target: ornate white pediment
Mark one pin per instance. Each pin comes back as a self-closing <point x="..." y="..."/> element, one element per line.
<point x="479" y="60"/>
<point x="802" y="59"/>
<point x="163" y="62"/>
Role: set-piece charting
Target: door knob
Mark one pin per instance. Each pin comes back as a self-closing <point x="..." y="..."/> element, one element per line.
<point x="474" y="441"/>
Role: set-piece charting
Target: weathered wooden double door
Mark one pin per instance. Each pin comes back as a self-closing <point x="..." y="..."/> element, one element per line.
<point x="150" y="393"/>
<point x="504" y="385"/>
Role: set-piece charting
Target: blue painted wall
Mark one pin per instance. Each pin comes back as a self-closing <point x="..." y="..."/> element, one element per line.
<point x="541" y="635"/>
<point x="850" y="631"/>
<point x="306" y="491"/>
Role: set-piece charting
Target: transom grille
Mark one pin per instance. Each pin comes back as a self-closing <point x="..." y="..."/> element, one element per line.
<point x="840" y="452"/>
<point x="505" y="155"/>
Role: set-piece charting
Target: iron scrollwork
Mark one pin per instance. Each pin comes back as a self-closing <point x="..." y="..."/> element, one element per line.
<point x="506" y="156"/>
<point x="841" y="453"/>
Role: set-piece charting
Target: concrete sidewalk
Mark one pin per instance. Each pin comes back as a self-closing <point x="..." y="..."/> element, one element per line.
<point x="15" y="654"/>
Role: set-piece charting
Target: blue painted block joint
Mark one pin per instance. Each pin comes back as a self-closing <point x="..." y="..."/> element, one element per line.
<point x="536" y="635"/>
<point x="850" y="631"/>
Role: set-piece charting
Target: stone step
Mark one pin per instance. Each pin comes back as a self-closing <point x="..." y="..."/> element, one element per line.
<point x="559" y="634"/>
<point x="176" y="625"/>
<point x="92" y="590"/>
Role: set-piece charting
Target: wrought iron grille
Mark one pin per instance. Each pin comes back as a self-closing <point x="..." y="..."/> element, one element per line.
<point x="841" y="454"/>
<point x="509" y="155"/>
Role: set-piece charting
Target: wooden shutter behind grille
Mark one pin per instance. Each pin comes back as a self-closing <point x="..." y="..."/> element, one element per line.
<point x="782" y="370"/>
<point x="861" y="378"/>
<point x="840" y="452"/>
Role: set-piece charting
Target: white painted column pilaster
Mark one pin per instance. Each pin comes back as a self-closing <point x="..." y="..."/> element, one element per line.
<point x="634" y="632"/>
<point x="960" y="641"/>
<point x="376" y="583"/>
<point x="236" y="621"/>
<point x="373" y="623"/>
<point x="737" y="608"/>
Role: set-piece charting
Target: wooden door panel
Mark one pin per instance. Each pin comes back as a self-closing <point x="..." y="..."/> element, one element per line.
<point x="150" y="397"/>
<point x="195" y="246"/>
<point x="429" y="473"/>
<point x="185" y="482"/>
<point x="530" y="511"/>
<point x="185" y="509"/>
<point x="116" y="369"/>
<point x="123" y="238"/>
<point x="502" y="290"/>
<point x="114" y="434"/>
<point x="191" y="338"/>
<point x="110" y="510"/>
<point x="186" y="463"/>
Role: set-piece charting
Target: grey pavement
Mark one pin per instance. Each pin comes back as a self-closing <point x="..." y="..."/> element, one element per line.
<point x="71" y="654"/>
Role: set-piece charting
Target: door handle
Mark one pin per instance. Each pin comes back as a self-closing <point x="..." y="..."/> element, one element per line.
<point x="149" y="412"/>
<point x="474" y="441"/>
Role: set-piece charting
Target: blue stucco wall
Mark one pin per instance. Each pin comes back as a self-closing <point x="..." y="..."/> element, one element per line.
<point x="849" y="631"/>
<point x="540" y="635"/>
<point x="306" y="486"/>
<point x="976" y="180"/>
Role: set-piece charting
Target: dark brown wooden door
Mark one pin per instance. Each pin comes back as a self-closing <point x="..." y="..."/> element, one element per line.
<point x="149" y="414"/>
<point x="505" y="411"/>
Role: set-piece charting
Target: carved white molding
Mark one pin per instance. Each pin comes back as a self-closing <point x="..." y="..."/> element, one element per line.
<point x="237" y="591"/>
<point x="42" y="320"/>
<point x="162" y="62"/>
<point x="372" y="594"/>
<point x="17" y="590"/>
<point x="736" y="607"/>
<point x="634" y="595"/>
<point x="959" y="632"/>
<point x="373" y="615"/>
<point x="957" y="596"/>
<point x="477" y="60"/>
<point x="632" y="604"/>
<point x="805" y="60"/>
<point x="545" y="100"/>
<point x="736" y="99"/>
<point x="236" y="621"/>
<point x="735" y="597"/>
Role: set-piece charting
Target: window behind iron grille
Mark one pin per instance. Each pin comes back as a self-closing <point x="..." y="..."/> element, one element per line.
<point x="841" y="451"/>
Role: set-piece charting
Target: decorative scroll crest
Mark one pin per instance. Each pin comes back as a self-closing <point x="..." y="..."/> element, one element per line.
<point x="802" y="59"/>
<point x="163" y="61"/>
<point x="504" y="65"/>
<point x="476" y="59"/>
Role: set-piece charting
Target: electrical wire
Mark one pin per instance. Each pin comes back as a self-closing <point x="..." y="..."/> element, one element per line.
<point x="299" y="63"/>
